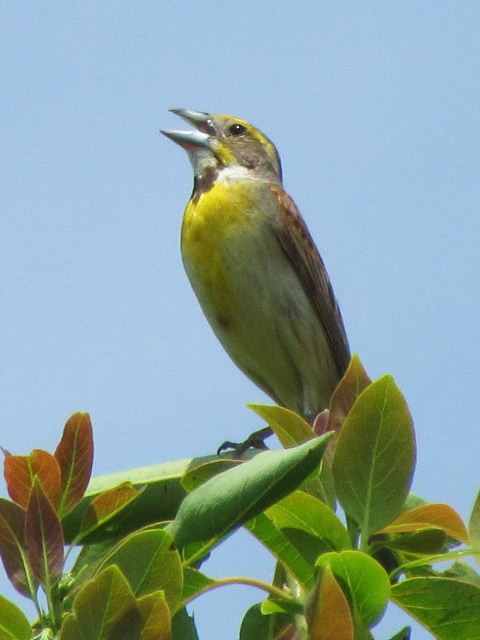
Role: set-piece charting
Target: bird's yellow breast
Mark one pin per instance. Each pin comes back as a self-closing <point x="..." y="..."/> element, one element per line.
<point x="212" y="228"/>
<point x="215" y="215"/>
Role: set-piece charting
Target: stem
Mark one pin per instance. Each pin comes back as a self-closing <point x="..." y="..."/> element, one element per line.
<point x="54" y="602"/>
<point x="31" y="586"/>
<point x="353" y="531"/>
<point x="50" y="605"/>
<point x="37" y="606"/>
<point x="277" y="593"/>
<point x="364" y="544"/>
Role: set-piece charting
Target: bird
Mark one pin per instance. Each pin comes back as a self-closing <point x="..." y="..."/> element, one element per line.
<point x="254" y="267"/>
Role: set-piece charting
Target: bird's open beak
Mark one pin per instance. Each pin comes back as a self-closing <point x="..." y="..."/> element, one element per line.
<point x="189" y="139"/>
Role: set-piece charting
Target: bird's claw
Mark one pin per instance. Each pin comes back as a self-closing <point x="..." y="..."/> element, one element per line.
<point x="254" y="441"/>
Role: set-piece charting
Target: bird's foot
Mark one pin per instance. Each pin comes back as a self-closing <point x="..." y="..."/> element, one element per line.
<point x="254" y="441"/>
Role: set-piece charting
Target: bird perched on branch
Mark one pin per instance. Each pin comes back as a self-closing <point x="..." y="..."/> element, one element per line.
<point x="254" y="267"/>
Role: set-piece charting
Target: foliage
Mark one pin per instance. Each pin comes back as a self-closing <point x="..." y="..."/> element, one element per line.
<point x="143" y="534"/>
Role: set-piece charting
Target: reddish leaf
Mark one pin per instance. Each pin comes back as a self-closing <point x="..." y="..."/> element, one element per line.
<point x="44" y="536"/>
<point x="320" y="424"/>
<point x="105" y="506"/>
<point x="20" y="472"/>
<point x="75" y="457"/>
<point x="354" y="381"/>
<point x="12" y="545"/>
<point x="330" y="617"/>
<point x="427" y="516"/>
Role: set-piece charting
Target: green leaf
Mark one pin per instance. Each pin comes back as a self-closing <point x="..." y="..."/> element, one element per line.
<point x="413" y="501"/>
<point x="161" y="494"/>
<point x="270" y="607"/>
<point x="403" y="634"/>
<point x="297" y="530"/>
<point x="89" y="556"/>
<point x="13" y="547"/>
<point x="99" y="606"/>
<point x="199" y="474"/>
<point x="265" y="530"/>
<point x="257" y="626"/>
<point x="43" y="532"/>
<point x="366" y="580"/>
<point x="13" y="624"/>
<point x="228" y="500"/>
<point x="474" y="528"/>
<point x="149" y="562"/>
<point x="449" y="608"/>
<point x="127" y="626"/>
<point x="290" y="428"/>
<point x="154" y="617"/>
<point x="75" y="458"/>
<point x="425" y="541"/>
<point x="375" y="456"/>
<point x="464" y="572"/>
<point x="302" y="511"/>
<point x="194" y="582"/>
<point x="183" y="626"/>
<point x="70" y="629"/>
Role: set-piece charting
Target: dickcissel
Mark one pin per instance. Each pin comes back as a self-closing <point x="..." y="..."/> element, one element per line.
<point x="254" y="267"/>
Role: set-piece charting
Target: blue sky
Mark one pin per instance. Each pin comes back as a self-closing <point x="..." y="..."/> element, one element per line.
<point x="374" y="109"/>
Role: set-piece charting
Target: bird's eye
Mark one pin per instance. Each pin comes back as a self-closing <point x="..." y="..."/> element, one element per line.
<point x="237" y="129"/>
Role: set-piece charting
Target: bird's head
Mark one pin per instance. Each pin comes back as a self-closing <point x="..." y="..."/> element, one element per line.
<point x="222" y="141"/>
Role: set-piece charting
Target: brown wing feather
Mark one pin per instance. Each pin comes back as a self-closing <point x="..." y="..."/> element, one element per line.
<point x="300" y="248"/>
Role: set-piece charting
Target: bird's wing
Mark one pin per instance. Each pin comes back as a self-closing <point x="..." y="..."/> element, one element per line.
<point x="300" y="249"/>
